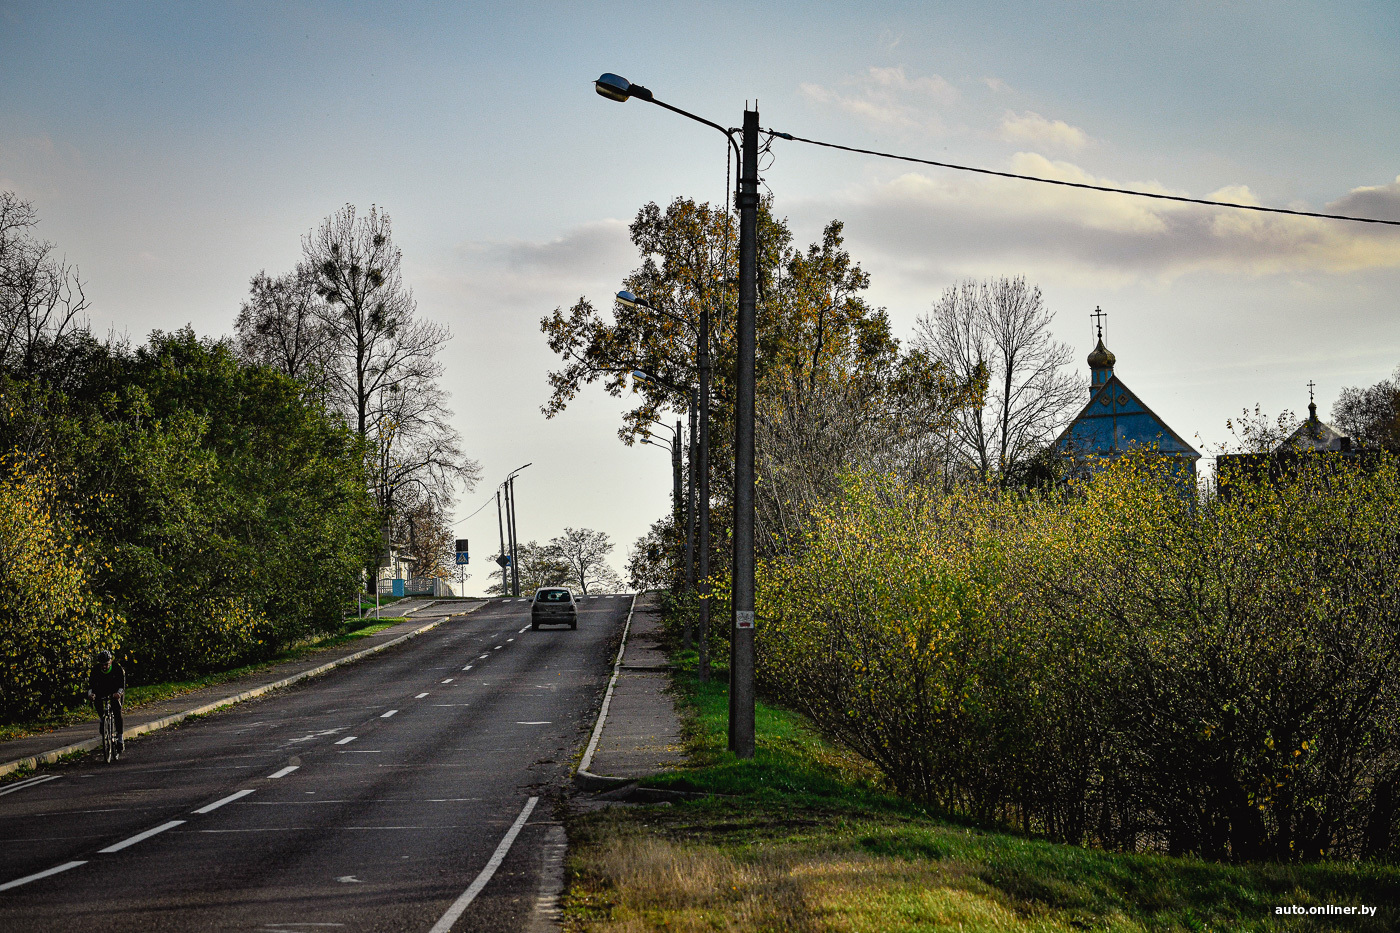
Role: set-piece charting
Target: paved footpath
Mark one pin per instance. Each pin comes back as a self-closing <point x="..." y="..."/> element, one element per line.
<point x="641" y="735"/>
<point x="45" y="747"/>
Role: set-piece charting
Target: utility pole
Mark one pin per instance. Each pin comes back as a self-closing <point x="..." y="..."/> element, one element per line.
<point x="703" y="588"/>
<point x="514" y="537"/>
<point x="741" y="665"/>
<point x="501" y="561"/>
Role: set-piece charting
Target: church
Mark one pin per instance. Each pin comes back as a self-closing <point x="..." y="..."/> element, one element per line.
<point x="1115" y="421"/>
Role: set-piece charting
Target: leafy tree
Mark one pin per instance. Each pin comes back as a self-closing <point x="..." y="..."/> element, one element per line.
<point x="1371" y="415"/>
<point x="584" y="552"/>
<point x="650" y="565"/>
<point x="540" y="565"/>
<point x="1254" y="432"/>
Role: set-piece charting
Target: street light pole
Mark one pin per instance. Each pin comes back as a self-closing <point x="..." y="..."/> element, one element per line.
<point x="500" y="526"/>
<point x="741" y="664"/>
<point x="741" y="719"/>
<point x="514" y="538"/>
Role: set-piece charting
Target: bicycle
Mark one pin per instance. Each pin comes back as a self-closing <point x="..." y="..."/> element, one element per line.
<point x="107" y="726"/>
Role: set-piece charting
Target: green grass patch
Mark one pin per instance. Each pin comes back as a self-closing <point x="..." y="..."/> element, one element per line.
<point x="145" y="694"/>
<point x="806" y="837"/>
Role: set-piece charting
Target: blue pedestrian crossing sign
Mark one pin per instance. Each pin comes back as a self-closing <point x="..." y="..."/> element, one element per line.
<point x="462" y="557"/>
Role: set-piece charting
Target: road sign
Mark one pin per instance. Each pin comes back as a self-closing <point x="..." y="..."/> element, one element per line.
<point x="462" y="557"/>
<point x="462" y="546"/>
<point x="503" y="560"/>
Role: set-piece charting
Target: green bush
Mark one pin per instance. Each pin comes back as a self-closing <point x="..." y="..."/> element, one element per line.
<point x="1119" y="664"/>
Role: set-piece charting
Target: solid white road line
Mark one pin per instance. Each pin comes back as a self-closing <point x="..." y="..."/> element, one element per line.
<point x="540" y="723"/>
<point x="219" y="803"/>
<point x="283" y="772"/>
<point x="37" y="875"/>
<point x="388" y="714"/>
<point x="30" y="782"/>
<point x="140" y="836"/>
<point x="347" y="740"/>
<point x="420" y="696"/>
<point x="444" y="925"/>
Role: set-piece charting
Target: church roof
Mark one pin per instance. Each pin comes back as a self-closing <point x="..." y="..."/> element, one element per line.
<point x="1115" y="421"/>
<point x="1314" y="434"/>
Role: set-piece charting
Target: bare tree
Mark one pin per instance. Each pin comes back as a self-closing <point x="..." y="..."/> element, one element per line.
<point x="378" y="341"/>
<point x="42" y="303"/>
<point x="282" y="325"/>
<point x="998" y="331"/>
<point x="382" y="364"/>
<point x="585" y="552"/>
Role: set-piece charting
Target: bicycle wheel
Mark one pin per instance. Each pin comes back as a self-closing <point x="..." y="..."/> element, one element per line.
<point x="109" y="725"/>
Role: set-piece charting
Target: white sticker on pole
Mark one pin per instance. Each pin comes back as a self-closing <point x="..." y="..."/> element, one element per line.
<point x="743" y="618"/>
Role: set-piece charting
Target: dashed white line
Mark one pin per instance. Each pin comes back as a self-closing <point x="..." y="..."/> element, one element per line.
<point x="388" y="714"/>
<point x="510" y="639"/>
<point x="498" y="648"/>
<point x="523" y="631"/>
<point x="39" y="874"/>
<point x="30" y="782"/>
<point x="283" y="772"/>
<point x="483" y="657"/>
<point x="444" y="924"/>
<point x="141" y="836"/>
<point x="448" y="680"/>
<point x="347" y="740"/>
<point x="219" y="803"/>
<point x="544" y="722"/>
<point x="467" y="668"/>
<point x="420" y="696"/>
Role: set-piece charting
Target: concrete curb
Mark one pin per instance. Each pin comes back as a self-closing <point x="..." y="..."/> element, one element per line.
<point x="585" y="779"/>
<point x="87" y="745"/>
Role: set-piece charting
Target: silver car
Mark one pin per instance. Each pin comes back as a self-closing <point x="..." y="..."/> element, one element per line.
<point x="553" y="605"/>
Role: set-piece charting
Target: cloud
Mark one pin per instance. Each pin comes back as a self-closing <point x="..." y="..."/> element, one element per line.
<point x="1031" y="128"/>
<point x="582" y="251"/>
<point x="888" y="97"/>
<point x="926" y="225"/>
<point x="997" y="85"/>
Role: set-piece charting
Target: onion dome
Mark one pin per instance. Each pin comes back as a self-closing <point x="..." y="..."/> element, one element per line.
<point x="1102" y="357"/>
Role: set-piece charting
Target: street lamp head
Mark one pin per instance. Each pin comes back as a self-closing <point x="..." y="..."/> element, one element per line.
<point x="618" y="88"/>
<point x="628" y="299"/>
<point x="638" y="374"/>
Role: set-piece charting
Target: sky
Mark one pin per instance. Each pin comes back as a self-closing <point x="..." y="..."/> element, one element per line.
<point x="174" y="150"/>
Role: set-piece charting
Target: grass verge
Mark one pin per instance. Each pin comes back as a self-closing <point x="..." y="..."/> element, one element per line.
<point x="138" y="696"/>
<point x="806" y="839"/>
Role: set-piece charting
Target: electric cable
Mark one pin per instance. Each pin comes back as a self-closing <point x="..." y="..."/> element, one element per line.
<point x="1079" y="184"/>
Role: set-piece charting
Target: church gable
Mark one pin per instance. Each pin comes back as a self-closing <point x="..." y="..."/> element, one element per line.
<point x="1115" y="420"/>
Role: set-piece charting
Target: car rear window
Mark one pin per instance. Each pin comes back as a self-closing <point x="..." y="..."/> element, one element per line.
<point x="552" y="596"/>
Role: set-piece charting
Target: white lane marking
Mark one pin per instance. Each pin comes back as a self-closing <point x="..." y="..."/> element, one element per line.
<point x="543" y="722"/>
<point x="39" y="874"/>
<point x="444" y="924"/>
<point x="283" y="772"/>
<point x="483" y="657"/>
<point x="510" y="639"/>
<point x="140" y="836"/>
<point x="345" y="879"/>
<point x="523" y="631"/>
<point x="347" y="740"/>
<point x="388" y="714"/>
<point x="362" y="751"/>
<point x="30" y="782"/>
<point x="448" y="680"/>
<point x="219" y="803"/>
<point x="467" y="668"/>
<point x="420" y="696"/>
<point x="498" y="648"/>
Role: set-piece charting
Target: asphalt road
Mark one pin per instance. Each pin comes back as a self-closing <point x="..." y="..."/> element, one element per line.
<point x="373" y="798"/>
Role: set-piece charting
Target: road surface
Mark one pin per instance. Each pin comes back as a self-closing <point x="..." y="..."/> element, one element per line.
<point x="379" y="797"/>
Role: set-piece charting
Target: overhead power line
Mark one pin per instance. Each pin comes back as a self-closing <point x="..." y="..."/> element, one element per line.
<point x="1085" y="185"/>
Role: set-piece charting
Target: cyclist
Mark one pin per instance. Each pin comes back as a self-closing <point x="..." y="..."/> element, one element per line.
<point x="108" y="680"/>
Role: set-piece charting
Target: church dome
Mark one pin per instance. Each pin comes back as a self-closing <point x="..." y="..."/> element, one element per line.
<point x="1102" y="357"/>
